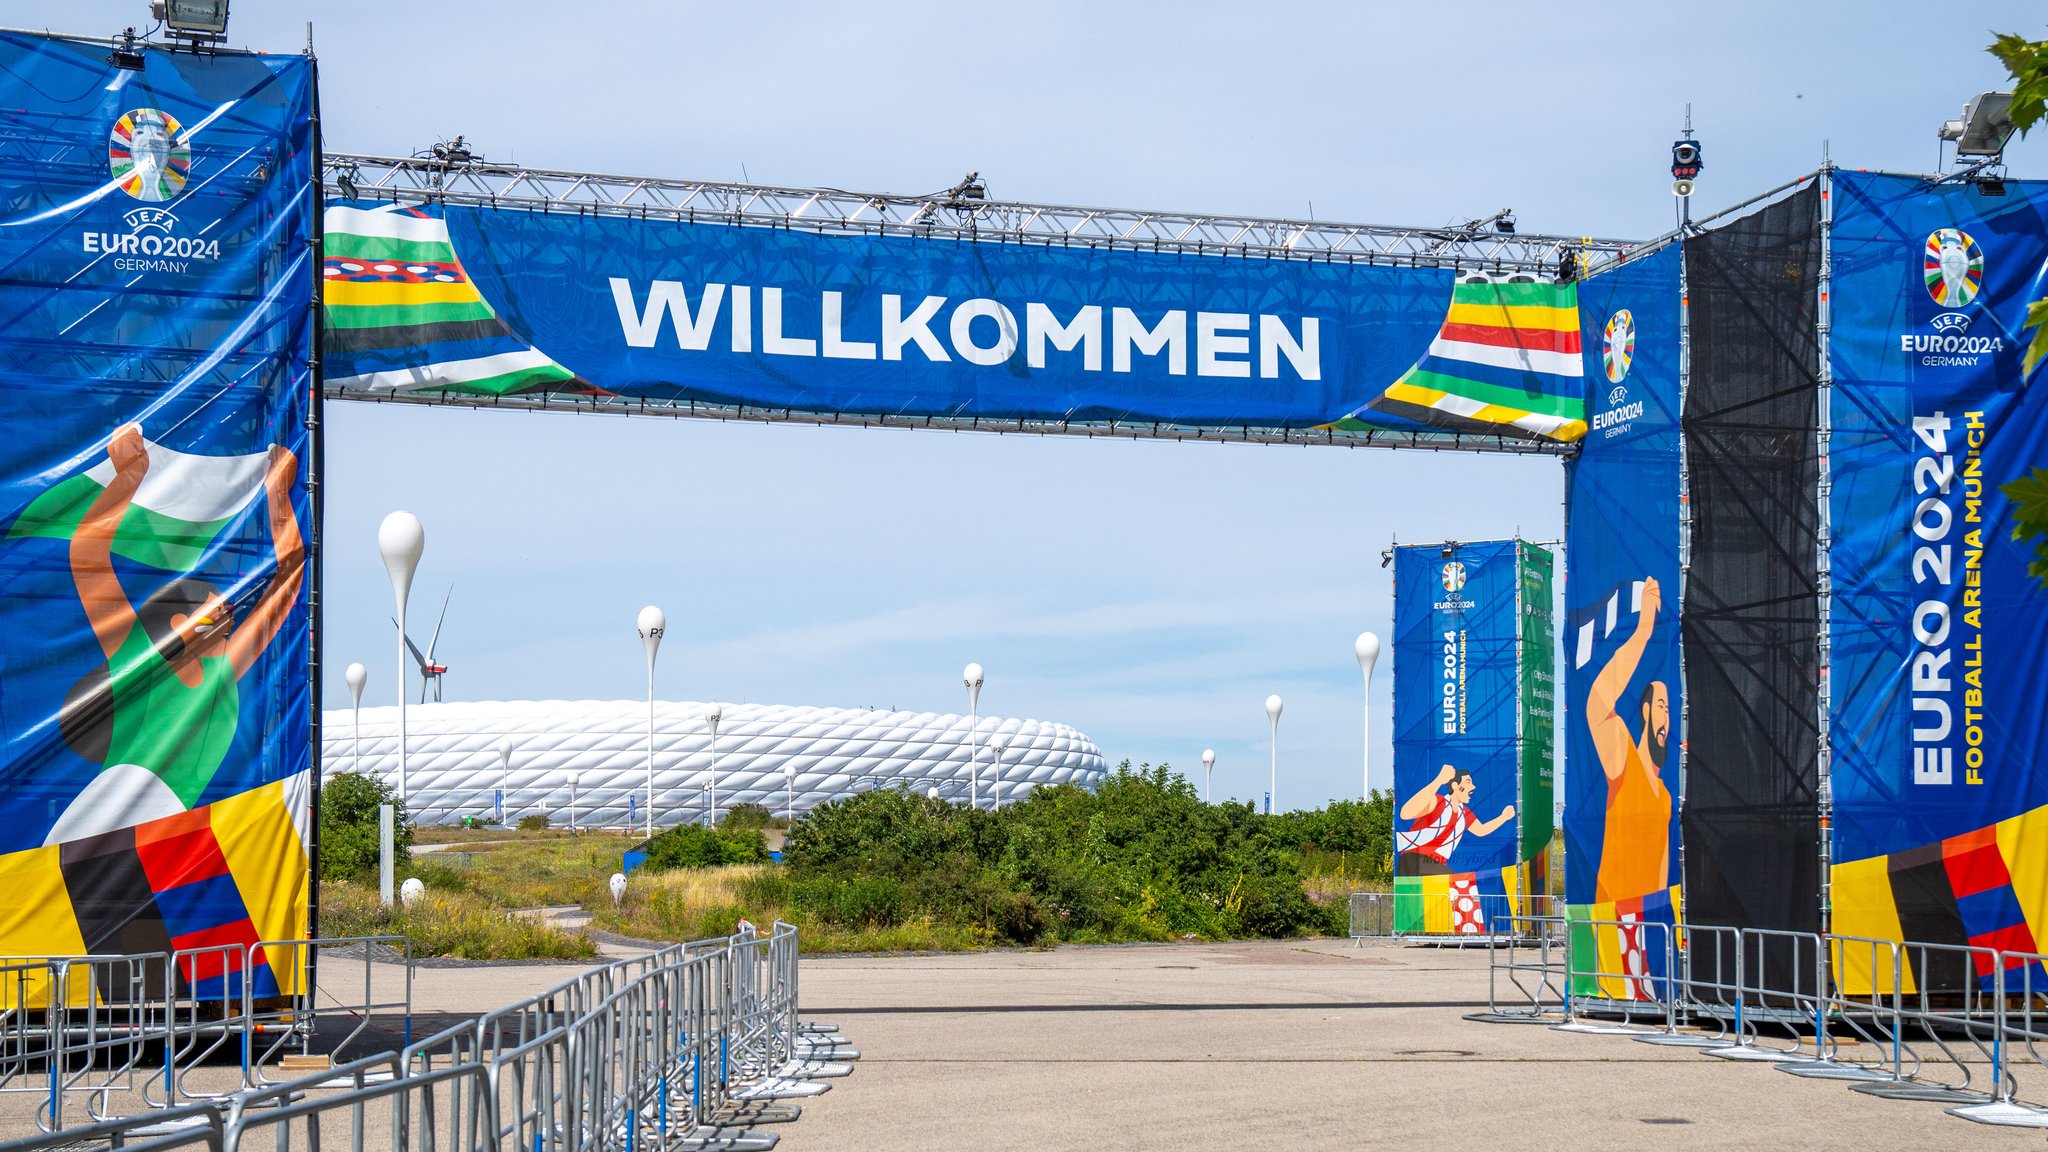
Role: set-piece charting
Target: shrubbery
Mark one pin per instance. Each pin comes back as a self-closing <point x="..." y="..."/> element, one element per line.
<point x="348" y="827"/>
<point x="534" y="823"/>
<point x="1139" y="858"/>
<point x="695" y="846"/>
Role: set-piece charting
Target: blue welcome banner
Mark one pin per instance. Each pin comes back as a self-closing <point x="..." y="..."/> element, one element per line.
<point x="466" y="301"/>
<point x="157" y="266"/>
<point x="1940" y="563"/>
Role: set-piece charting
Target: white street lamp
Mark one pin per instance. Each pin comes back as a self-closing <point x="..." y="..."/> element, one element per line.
<point x="789" y="794"/>
<point x="995" y="748"/>
<point x="652" y="623"/>
<point x="357" y="676"/>
<point x="972" y="678"/>
<point x="712" y="714"/>
<point x="1208" y="771"/>
<point x="1273" y="705"/>
<point x="1368" y="648"/>
<point x="504" y="776"/>
<point x="575" y="780"/>
<point x="401" y="539"/>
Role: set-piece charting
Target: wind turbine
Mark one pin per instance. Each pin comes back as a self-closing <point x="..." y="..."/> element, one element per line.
<point x="430" y="672"/>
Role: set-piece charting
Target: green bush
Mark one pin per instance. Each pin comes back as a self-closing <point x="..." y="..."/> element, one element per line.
<point x="695" y="846"/>
<point x="745" y="817"/>
<point x="1140" y="857"/>
<point x="348" y="827"/>
<point x="535" y="823"/>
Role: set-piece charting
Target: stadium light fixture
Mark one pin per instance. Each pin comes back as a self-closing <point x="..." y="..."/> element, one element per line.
<point x="200" y="21"/>
<point x="357" y="676"/>
<point x="995" y="751"/>
<point x="1367" y="648"/>
<point x="651" y="625"/>
<point x="972" y="678"/>
<point x="1273" y="705"/>
<point x="712" y="714"/>
<point x="1984" y="127"/>
<point x="504" y="777"/>
<point x="401" y="539"/>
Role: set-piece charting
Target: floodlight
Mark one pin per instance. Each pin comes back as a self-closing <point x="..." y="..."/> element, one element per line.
<point x="127" y="53"/>
<point x="193" y="19"/>
<point x="1504" y="224"/>
<point x="1985" y="126"/>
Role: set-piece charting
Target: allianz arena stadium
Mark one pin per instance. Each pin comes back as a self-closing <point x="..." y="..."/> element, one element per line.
<point x="583" y="763"/>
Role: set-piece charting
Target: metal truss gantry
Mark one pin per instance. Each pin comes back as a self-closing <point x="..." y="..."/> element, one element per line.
<point x="964" y="214"/>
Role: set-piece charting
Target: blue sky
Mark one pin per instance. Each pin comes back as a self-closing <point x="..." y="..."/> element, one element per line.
<point x="1149" y="594"/>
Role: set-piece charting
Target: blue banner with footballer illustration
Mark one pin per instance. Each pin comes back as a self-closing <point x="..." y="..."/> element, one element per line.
<point x="1620" y="630"/>
<point x="1940" y="562"/>
<point x="1457" y="694"/>
<point x="459" y="302"/>
<point x="157" y="234"/>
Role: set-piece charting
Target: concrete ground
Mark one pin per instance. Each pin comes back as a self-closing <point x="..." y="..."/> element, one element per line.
<point x="1309" y="1043"/>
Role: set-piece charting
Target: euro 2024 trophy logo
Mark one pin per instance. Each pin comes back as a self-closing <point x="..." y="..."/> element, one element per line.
<point x="149" y="159"/>
<point x="1954" y="267"/>
<point x="1618" y="345"/>
<point x="1454" y="576"/>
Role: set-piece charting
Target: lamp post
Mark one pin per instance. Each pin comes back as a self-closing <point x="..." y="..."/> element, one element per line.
<point x="575" y="780"/>
<point x="1273" y="705"/>
<point x="1208" y="771"/>
<point x="504" y="776"/>
<point x="972" y="678"/>
<point x="789" y="794"/>
<point x="652" y="622"/>
<point x="1367" y="646"/>
<point x="401" y="540"/>
<point x="712" y="714"/>
<point x="357" y="676"/>
<point x="995" y="748"/>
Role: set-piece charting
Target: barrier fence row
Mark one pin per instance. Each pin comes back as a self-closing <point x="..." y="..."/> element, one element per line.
<point x="686" y="1047"/>
<point x="1961" y="1025"/>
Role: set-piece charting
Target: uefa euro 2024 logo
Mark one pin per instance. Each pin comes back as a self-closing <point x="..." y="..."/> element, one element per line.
<point x="147" y="155"/>
<point x="1454" y="576"/>
<point x="1954" y="267"/>
<point x="1618" y="345"/>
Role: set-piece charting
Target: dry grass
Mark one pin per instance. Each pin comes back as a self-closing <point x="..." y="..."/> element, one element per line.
<point x="444" y="923"/>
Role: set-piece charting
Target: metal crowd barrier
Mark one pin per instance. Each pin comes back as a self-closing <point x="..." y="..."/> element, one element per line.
<point x="687" y="1047"/>
<point x="1961" y="1025"/>
<point x="1532" y="961"/>
<point x="1474" y="918"/>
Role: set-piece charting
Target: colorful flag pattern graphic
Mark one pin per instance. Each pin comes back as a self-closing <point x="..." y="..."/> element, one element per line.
<point x="1468" y="903"/>
<point x="404" y="316"/>
<point x="224" y="877"/>
<point x="1623" y="949"/>
<point x="1977" y="890"/>
<point x="1505" y="362"/>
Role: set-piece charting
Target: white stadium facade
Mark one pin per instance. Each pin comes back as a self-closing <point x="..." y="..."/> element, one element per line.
<point x="584" y="762"/>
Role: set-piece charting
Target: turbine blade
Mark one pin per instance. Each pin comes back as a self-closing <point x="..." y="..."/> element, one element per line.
<point x="435" y="642"/>
<point x="411" y="647"/>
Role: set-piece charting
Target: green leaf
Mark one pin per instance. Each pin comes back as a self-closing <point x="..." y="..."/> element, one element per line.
<point x="2029" y="496"/>
<point x="2027" y="61"/>
<point x="2037" y="319"/>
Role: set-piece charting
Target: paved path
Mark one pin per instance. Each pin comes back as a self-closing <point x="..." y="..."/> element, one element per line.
<point x="1310" y="1045"/>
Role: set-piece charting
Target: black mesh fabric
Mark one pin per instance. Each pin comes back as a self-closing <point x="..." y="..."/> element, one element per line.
<point x="1751" y="818"/>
